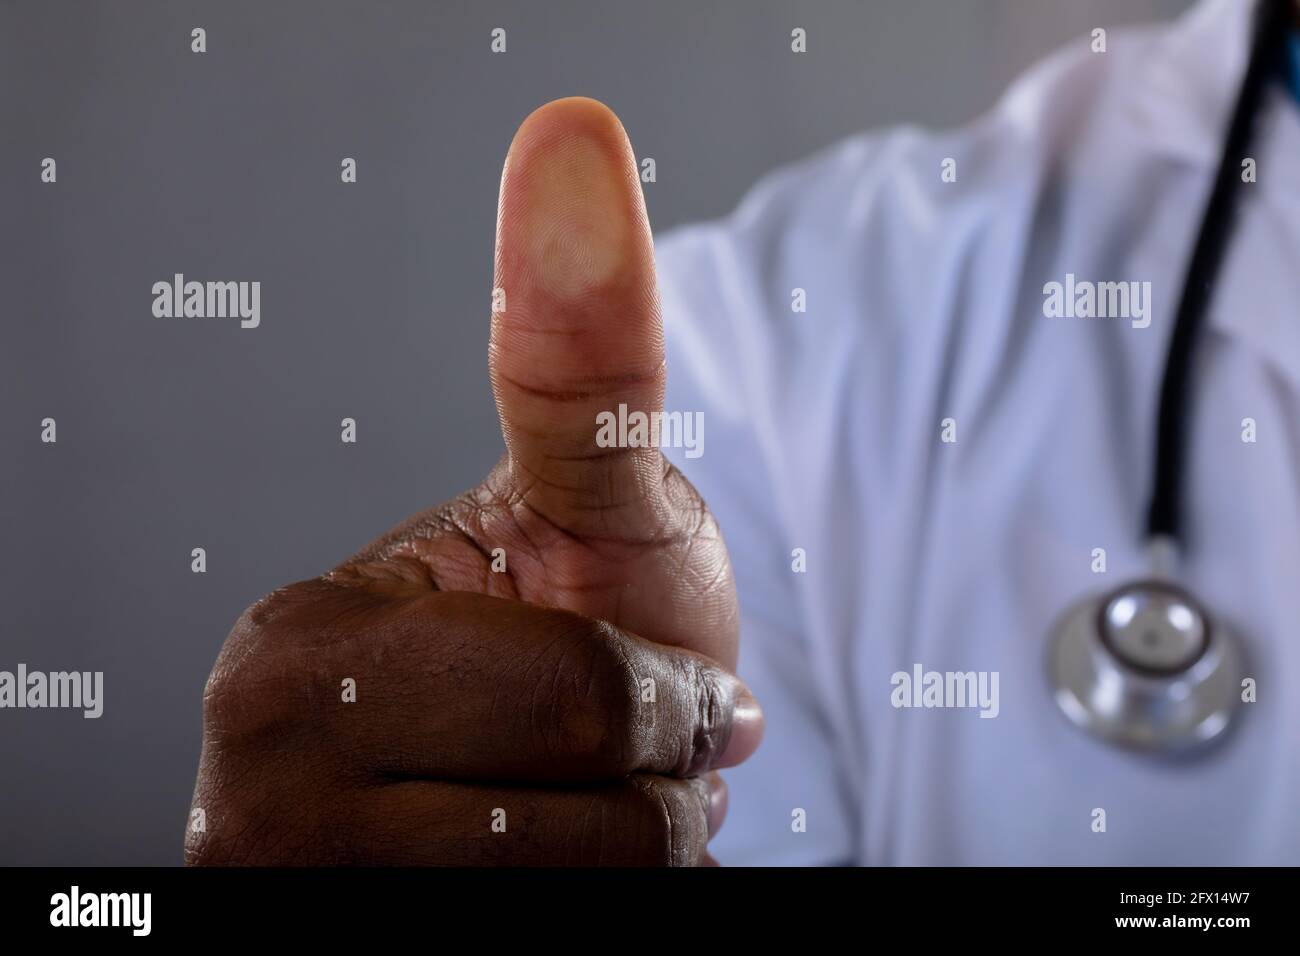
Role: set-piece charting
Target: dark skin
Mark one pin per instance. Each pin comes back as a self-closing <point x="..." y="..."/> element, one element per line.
<point x="519" y="696"/>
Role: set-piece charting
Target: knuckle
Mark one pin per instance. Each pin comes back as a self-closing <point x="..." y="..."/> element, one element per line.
<point x="275" y="782"/>
<point x="246" y="693"/>
<point x="593" y="703"/>
<point x="254" y="815"/>
<point x="224" y="701"/>
<point x="710" y="724"/>
<point x="223" y="841"/>
<point x="692" y="726"/>
<point x="668" y="821"/>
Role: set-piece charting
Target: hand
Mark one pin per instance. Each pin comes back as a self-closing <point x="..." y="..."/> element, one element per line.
<point x="572" y="708"/>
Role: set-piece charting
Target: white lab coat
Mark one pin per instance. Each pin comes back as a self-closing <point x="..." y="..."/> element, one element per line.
<point x="925" y="302"/>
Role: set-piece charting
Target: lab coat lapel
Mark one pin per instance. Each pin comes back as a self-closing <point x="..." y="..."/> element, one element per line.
<point x="1181" y="110"/>
<point x="1184" y="96"/>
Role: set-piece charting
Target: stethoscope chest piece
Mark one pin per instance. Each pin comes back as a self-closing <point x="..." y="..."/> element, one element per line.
<point x="1147" y="668"/>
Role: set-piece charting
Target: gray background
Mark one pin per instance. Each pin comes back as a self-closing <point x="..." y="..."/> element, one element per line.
<point x="175" y="434"/>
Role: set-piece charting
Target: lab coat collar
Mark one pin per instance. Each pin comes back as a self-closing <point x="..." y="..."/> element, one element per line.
<point x="1185" y="94"/>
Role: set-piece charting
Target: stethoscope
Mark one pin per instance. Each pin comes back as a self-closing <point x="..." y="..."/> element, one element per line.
<point x="1147" y="666"/>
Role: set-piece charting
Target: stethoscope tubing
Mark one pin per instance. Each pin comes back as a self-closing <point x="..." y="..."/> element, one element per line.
<point x="1148" y="667"/>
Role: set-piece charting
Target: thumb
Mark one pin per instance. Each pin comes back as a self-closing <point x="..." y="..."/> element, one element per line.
<point x="576" y="329"/>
